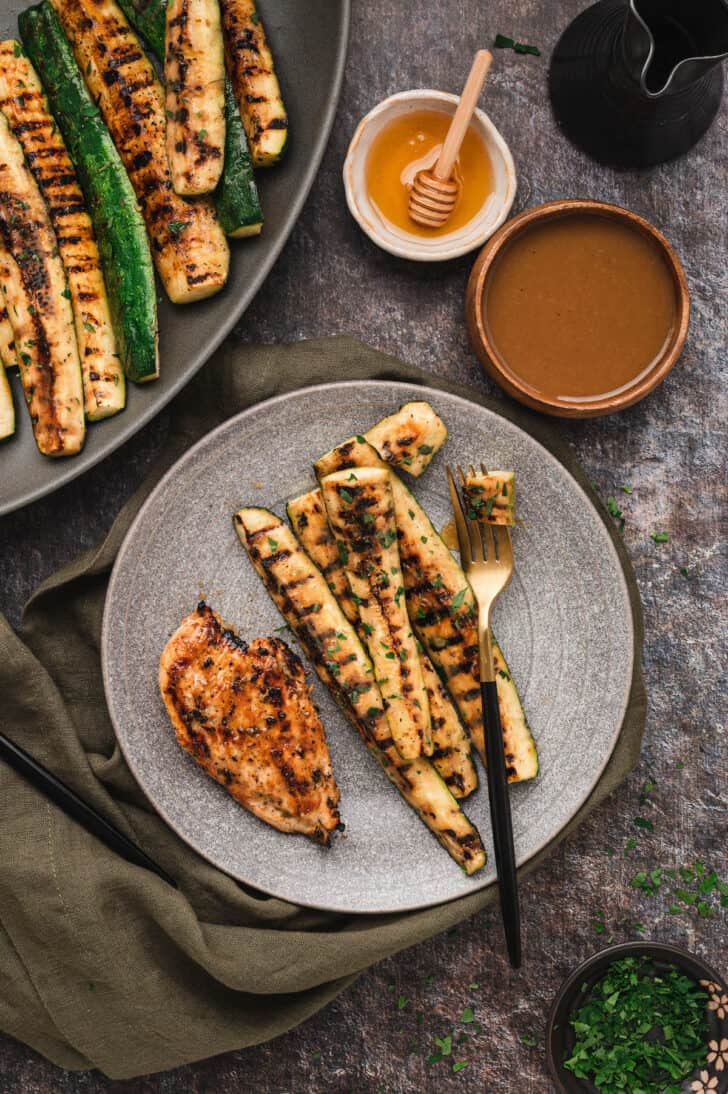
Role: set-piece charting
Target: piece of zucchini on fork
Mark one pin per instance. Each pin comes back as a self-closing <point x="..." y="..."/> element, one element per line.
<point x="442" y="609"/>
<point x="36" y="296"/>
<point x="194" y="75"/>
<point x="253" y="76"/>
<point x="361" y="514"/>
<point x="236" y="199"/>
<point x="303" y="597"/>
<point x="25" y="106"/>
<point x="491" y="497"/>
<point x="451" y="746"/>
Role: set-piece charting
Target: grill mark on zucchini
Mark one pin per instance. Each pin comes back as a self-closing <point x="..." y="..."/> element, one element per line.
<point x="192" y="263"/>
<point x="434" y="582"/>
<point x="451" y="754"/>
<point x="417" y="781"/>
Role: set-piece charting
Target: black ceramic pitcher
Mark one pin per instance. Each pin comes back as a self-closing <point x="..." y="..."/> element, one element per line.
<point x="637" y="82"/>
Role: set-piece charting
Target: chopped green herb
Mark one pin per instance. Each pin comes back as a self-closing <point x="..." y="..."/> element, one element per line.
<point x="177" y="227"/>
<point x="615" y="511"/>
<point x="615" y="1029"/>
<point x="502" y="41"/>
<point x="17" y="49"/>
<point x="66" y="293"/>
<point x="467" y="1016"/>
<point x="683" y="571"/>
<point x="660" y="537"/>
<point x="459" y="1066"/>
<point x="627" y="489"/>
<point x="643" y="822"/>
<point x="425" y="450"/>
<point x="360" y="439"/>
<point x="457" y="600"/>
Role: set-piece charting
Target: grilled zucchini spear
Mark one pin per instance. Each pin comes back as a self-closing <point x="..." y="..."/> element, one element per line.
<point x="361" y="514"/>
<point x="120" y="233"/>
<point x="441" y="606"/>
<point x="253" y="76"/>
<point x="303" y="597"/>
<point x="189" y="248"/>
<point x="25" y="106"/>
<point x="36" y="297"/>
<point x="451" y="746"/>
<point x="194" y="74"/>
<point x="236" y="198"/>
<point x="7" y="408"/>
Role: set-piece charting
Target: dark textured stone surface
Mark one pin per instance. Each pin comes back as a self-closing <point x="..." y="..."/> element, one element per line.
<point x="670" y="450"/>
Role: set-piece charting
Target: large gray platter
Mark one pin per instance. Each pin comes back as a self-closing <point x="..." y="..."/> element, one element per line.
<point x="564" y="623"/>
<point x="309" y="42"/>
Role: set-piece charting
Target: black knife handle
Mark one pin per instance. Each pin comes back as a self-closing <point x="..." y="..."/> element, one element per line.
<point x="500" y="817"/>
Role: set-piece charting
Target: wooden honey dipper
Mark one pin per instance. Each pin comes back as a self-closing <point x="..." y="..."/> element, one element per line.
<point x="434" y="193"/>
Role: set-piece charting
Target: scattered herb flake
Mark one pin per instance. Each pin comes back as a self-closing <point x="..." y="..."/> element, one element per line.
<point x="660" y="537"/>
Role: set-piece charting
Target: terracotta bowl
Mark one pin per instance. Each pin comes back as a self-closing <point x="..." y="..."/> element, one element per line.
<point x="710" y="1077"/>
<point x="510" y="381"/>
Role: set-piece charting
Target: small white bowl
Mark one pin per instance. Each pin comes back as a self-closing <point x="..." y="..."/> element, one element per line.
<point x="402" y="243"/>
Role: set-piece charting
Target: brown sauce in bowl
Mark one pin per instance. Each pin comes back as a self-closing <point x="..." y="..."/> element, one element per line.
<point x="580" y="306"/>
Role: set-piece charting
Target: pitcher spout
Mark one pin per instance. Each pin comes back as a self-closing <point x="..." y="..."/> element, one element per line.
<point x="668" y="47"/>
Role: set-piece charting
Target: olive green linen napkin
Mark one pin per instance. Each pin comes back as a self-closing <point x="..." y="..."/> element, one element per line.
<point x="101" y="963"/>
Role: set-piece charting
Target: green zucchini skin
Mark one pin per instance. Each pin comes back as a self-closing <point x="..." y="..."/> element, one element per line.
<point x="303" y="597"/>
<point x="110" y="199"/>
<point x="442" y="608"/>
<point x="236" y="198"/>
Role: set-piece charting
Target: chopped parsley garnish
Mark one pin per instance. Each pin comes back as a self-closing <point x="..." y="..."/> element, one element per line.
<point x="88" y="326"/>
<point x="683" y="571"/>
<point x="17" y="49"/>
<point x="642" y="1021"/>
<point x="177" y="227"/>
<point x="627" y="489"/>
<point x="387" y="538"/>
<point x="615" y="512"/>
<point x="425" y="450"/>
<point x="343" y="552"/>
<point x="344" y="493"/>
<point x="66" y="293"/>
<point x="272" y="543"/>
<point x="457" y="600"/>
<point x="660" y="537"/>
<point x="360" y="439"/>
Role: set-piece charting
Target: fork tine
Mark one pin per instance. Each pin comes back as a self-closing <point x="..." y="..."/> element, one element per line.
<point x="484" y="469"/>
<point x="471" y="471"/>
<point x="461" y="475"/>
<point x="460" y="523"/>
<point x="505" y="547"/>
<point x="489" y="538"/>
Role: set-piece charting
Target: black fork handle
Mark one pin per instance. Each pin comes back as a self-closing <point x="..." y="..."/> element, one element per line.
<point x="500" y="816"/>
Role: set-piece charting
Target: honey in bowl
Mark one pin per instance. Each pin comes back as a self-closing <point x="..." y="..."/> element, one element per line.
<point x="410" y="143"/>
<point x="580" y="307"/>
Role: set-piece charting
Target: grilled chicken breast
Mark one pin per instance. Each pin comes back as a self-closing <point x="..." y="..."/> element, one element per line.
<point x="246" y="714"/>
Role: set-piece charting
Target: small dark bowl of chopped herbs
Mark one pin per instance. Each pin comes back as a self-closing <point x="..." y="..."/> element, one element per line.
<point x="640" y="1018"/>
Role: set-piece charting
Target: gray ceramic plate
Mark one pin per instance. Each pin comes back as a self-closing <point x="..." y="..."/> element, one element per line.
<point x="309" y="42"/>
<point x="564" y="624"/>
